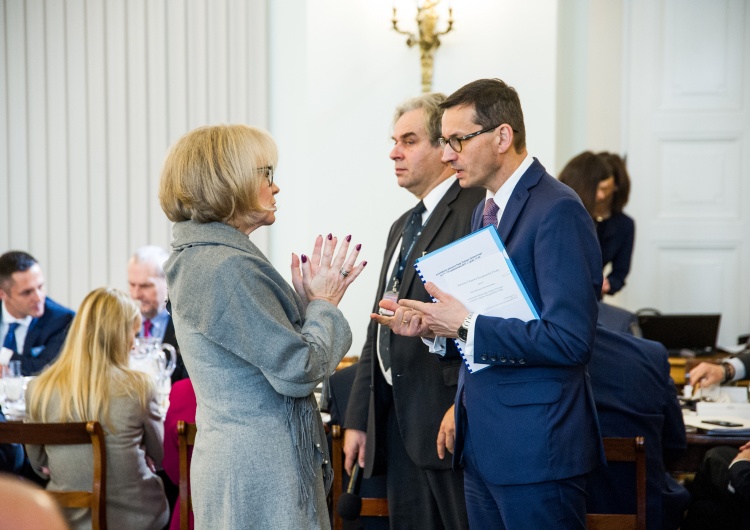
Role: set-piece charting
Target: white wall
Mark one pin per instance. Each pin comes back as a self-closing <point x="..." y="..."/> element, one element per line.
<point x="91" y="95"/>
<point x="337" y="72"/>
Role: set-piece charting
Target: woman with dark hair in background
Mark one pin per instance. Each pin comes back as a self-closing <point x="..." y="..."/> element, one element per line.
<point x="603" y="184"/>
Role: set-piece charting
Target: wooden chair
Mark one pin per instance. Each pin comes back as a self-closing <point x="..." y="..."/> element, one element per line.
<point x="69" y="434"/>
<point x="371" y="507"/>
<point x="625" y="450"/>
<point x="186" y="438"/>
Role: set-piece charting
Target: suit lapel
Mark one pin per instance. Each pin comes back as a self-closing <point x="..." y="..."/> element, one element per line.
<point x="518" y="199"/>
<point x="31" y="336"/>
<point x="430" y="230"/>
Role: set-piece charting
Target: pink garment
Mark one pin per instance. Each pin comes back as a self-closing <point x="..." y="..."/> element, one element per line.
<point x="182" y="406"/>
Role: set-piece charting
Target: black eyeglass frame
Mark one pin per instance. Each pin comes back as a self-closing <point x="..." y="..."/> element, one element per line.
<point x="269" y="173"/>
<point x="455" y="141"/>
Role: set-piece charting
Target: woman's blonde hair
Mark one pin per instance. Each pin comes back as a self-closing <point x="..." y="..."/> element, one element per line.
<point x="214" y="174"/>
<point x="93" y="364"/>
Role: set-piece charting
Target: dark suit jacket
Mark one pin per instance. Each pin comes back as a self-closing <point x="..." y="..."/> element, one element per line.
<point x="531" y="415"/>
<point x="44" y="338"/>
<point x="180" y="372"/>
<point x="635" y="396"/>
<point x="423" y="386"/>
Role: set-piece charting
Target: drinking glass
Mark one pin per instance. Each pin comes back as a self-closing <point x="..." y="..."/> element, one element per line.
<point x="13" y="383"/>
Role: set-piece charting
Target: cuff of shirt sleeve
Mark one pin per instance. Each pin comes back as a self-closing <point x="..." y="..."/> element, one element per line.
<point x="739" y="368"/>
<point x="436" y="345"/>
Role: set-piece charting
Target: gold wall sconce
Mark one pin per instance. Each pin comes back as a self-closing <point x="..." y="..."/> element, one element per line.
<point x="428" y="38"/>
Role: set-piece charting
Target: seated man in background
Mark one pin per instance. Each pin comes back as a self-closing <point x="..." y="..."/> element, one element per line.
<point x="33" y="326"/>
<point x="635" y="396"/>
<point x="148" y="285"/>
<point x="721" y="491"/>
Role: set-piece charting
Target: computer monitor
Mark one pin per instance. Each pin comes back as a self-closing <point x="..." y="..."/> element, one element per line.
<point x="697" y="333"/>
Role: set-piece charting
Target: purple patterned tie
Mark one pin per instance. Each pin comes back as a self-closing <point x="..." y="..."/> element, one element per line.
<point x="490" y="213"/>
<point x="147" y="327"/>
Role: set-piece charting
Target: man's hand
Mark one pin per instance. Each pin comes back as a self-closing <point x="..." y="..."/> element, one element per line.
<point x="707" y="374"/>
<point x="444" y="317"/>
<point x="354" y="448"/>
<point x="405" y="322"/>
<point x="744" y="453"/>
<point x="446" y="438"/>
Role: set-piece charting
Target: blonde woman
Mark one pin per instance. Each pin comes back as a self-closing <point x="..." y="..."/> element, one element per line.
<point x="91" y="381"/>
<point x="255" y="346"/>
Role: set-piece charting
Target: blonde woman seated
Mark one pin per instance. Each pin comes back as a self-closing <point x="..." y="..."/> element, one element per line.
<point x="91" y="381"/>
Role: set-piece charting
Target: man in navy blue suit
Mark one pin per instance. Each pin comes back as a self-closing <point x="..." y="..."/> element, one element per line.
<point x="635" y="396"/>
<point x="526" y="430"/>
<point x="33" y="326"/>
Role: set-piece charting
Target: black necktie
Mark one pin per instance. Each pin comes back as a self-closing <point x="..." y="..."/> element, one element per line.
<point x="10" y="337"/>
<point x="412" y="231"/>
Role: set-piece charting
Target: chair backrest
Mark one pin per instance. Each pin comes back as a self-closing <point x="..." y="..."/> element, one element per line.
<point x="69" y="434"/>
<point x="625" y="450"/>
<point x="371" y="507"/>
<point x="186" y="438"/>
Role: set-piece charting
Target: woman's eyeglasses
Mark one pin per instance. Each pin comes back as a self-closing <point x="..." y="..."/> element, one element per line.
<point x="268" y="170"/>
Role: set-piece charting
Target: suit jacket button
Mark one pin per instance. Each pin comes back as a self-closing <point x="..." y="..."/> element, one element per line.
<point x="484" y="357"/>
<point x="512" y="361"/>
<point x="493" y="359"/>
<point x="503" y="359"/>
<point x="521" y="361"/>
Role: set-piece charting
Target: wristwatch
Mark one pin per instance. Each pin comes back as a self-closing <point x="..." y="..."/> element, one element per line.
<point x="463" y="331"/>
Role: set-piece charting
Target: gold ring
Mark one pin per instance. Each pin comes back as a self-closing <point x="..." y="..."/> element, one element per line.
<point x="404" y="321"/>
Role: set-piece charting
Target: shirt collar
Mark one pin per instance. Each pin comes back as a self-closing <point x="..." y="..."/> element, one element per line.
<point x="436" y="194"/>
<point x="506" y="190"/>
<point x="9" y="319"/>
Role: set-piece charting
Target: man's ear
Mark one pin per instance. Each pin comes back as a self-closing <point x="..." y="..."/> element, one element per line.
<point x="505" y="135"/>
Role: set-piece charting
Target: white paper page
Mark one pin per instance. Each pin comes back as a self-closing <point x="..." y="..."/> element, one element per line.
<point x="476" y="271"/>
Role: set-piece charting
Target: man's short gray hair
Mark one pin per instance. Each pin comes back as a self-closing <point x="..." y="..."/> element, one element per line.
<point x="153" y="255"/>
<point x="430" y="104"/>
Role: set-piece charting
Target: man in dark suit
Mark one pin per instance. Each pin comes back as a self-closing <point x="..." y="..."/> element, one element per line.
<point x="525" y="427"/>
<point x="148" y="285"/>
<point x="401" y="392"/>
<point x="635" y="396"/>
<point x="33" y="326"/>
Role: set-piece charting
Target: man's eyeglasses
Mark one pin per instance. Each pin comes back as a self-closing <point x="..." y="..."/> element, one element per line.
<point x="268" y="170"/>
<point x="455" y="142"/>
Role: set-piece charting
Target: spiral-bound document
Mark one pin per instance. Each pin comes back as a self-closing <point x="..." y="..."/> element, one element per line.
<point x="477" y="270"/>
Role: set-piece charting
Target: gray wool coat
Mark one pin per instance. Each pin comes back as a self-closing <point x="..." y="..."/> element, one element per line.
<point x="255" y="355"/>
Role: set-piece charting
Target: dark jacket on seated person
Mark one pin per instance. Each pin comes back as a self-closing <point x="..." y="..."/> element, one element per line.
<point x="45" y="338"/>
<point x="635" y="396"/>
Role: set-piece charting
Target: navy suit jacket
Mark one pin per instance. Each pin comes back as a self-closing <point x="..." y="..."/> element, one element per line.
<point x="635" y="396"/>
<point x="532" y="415"/>
<point x="44" y="338"/>
<point x="424" y="386"/>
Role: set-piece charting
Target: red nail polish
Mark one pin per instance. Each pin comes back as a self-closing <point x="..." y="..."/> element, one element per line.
<point x="359" y="246"/>
<point x="364" y="263"/>
<point x="348" y="238"/>
<point x="304" y="258"/>
<point x="330" y="236"/>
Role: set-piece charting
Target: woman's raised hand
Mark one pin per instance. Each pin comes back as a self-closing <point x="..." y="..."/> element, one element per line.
<point x="322" y="276"/>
